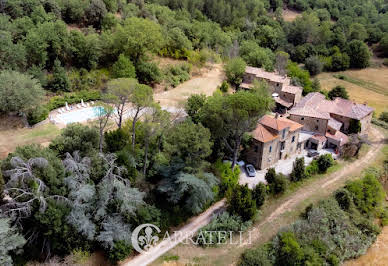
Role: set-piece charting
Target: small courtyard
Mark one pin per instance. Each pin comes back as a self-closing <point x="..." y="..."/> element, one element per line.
<point x="282" y="166"/>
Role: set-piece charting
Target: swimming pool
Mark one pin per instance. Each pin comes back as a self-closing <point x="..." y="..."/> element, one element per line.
<point x="80" y="115"/>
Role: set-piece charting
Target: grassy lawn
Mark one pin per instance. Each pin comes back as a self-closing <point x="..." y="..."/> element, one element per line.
<point x="11" y="138"/>
<point x="364" y="86"/>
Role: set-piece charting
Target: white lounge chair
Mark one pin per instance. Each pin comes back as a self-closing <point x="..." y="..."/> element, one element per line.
<point x="60" y="111"/>
<point x="87" y="104"/>
<point x="78" y="105"/>
<point x="63" y="110"/>
<point x="92" y="103"/>
<point x="82" y="103"/>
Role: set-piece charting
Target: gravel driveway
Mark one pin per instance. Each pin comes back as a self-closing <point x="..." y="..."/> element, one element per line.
<point x="282" y="166"/>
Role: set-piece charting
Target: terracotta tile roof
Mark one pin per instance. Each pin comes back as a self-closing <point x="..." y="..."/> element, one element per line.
<point x="335" y="124"/>
<point x="293" y="125"/>
<point x="315" y="105"/>
<point x="262" y="134"/>
<point x="338" y="136"/>
<point x="263" y="130"/>
<point x="272" y="122"/>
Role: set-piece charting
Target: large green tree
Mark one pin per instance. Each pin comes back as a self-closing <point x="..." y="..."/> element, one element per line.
<point x="19" y="92"/>
<point x="359" y="54"/>
<point x="190" y="142"/>
<point x="137" y="37"/>
<point x="121" y="89"/>
<point x="229" y="117"/>
<point x="235" y="70"/>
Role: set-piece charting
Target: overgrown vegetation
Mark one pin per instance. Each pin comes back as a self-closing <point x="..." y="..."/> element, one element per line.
<point x="331" y="231"/>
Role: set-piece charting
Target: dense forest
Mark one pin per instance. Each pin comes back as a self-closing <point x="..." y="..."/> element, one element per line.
<point x="91" y="187"/>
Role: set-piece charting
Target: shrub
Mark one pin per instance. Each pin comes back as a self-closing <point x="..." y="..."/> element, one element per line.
<point x="298" y="172"/>
<point x="344" y="199"/>
<point x="367" y="193"/>
<point x="279" y="185"/>
<point x="80" y="256"/>
<point x="229" y="177"/>
<point x="148" y="73"/>
<point x="324" y="162"/>
<point x="277" y="182"/>
<point x="116" y="140"/>
<point x="37" y="115"/>
<point x="380" y="123"/>
<point x="338" y="91"/>
<point x="224" y="86"/>
<point x="314" y="65"/>
<point x="270" y="175"/>
<point x="59" y="80"/>
<point x="384" y="117"/>
<point x="235" y="70"/>
<point x="354" y="126"/>
<point x="259" y="194"/>
<point x="221" y="223"/>
<point x="384" y="217"/>
<point x="123" y="68"/>
<point x="72" y="98"/>
<point x="312" y="169"/>
<point x="256" y="257"/>
<point x="76" y="137"/>
<point x="240" y="202"/>
<point x="177" y="74"/>
<point x="290" y="251"/>
<point x="120" y="251"/>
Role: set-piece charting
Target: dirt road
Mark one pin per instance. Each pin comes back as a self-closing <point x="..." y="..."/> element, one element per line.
<point x="274" y="220"/>
<point x="175" y="239"/>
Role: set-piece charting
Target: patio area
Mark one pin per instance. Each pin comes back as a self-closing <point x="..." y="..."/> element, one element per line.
<point x="282" y="166"/>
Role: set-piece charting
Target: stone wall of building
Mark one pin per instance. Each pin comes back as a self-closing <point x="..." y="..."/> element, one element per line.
<point x="311" y="124"/>
<point x="264" y="155"/>
<point x="365" y="123"/>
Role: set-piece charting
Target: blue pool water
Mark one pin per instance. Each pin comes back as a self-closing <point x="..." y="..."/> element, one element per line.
<point x="80" y="115"/>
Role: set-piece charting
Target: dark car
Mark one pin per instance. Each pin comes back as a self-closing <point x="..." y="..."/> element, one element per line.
<point x="313" y="154"/>
<point x="250" y="170"/>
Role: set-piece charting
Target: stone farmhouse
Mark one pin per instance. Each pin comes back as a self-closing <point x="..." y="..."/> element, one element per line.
<point x="274" y="138"/>
<point x="312" y="122"/>
<point x="284" y="94"/>
<point x="328" y="121"/>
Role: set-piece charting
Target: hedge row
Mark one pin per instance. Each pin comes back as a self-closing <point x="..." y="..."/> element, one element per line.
<point x="40" y="113"/>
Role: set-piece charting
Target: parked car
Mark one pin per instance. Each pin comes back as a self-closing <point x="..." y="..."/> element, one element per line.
<point x="313" y="154"/>
<point x="250" y="170"/>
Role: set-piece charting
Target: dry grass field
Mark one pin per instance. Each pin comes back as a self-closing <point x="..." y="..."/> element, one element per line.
<point x="206" y="83"/>
<point x="368" y="85"/>
<point x="290" y="15"/>
<point x="12" y="137"/>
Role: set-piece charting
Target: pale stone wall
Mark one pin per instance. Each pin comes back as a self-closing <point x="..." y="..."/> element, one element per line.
<point x="264" y="155"/>
<point x="289" y="97"/>
<point x="344" y="120"/>
<point x="311" y="124"/>
<point x="365" y="123"/>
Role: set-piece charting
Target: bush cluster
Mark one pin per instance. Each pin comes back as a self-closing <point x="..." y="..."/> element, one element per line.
<point x="335" y="229"/>
<point x="209" y="235"/>
<point x="177" y="74"/>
